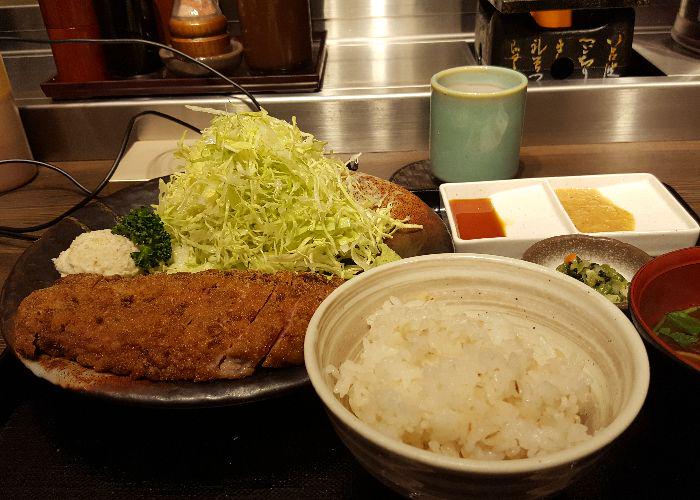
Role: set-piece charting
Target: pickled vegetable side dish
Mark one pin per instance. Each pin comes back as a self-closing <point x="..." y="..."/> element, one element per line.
<point x="600" y="277"/>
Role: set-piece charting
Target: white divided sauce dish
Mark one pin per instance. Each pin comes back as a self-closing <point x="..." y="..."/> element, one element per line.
<point x="530" y="211"/>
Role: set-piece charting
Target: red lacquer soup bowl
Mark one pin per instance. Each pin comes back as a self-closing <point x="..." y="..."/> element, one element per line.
<point x="668" y="283"/>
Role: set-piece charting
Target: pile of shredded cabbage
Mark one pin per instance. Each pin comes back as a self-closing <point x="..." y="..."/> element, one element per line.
<point x="258" y="193"/>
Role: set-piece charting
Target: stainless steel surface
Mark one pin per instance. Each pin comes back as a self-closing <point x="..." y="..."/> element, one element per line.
<point x="664" y="53"/>
<point x="388" y="65"/>
<point x="20" y="18"/>
<point x="375" y="95"/>
<point x="366" y="83"/>
<point x="27" y="69"/>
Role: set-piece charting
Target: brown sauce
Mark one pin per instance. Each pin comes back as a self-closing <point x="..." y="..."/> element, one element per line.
<point x="477" y="218"/>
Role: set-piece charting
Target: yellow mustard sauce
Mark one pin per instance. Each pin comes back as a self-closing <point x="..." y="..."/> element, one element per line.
<point x="591" y="212"/>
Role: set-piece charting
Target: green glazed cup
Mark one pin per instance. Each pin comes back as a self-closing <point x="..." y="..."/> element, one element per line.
<point x="476" y="123"/>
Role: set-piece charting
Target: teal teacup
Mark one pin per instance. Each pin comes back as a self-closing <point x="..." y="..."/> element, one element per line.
<point x="476" y="122"/>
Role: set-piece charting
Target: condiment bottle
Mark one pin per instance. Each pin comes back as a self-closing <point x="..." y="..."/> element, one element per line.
<point x="128" y="19"/>
<point x="276" y="34"/>
<point x="74" y="19"/>
<point x="163" y="10"/>
<point x="199" y="29"/>
<point x="13" y="141"/>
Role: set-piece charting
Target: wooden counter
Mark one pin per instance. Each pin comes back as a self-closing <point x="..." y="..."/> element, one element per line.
<point x="675" y="163"/>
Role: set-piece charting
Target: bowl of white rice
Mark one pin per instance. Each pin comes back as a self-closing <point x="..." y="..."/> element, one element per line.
<point x="464" y="375"/>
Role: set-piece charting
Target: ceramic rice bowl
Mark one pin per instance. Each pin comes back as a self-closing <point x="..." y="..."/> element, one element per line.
<point x="499" y="284"/>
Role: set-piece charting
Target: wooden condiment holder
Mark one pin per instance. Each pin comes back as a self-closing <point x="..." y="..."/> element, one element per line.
<point x="203" y="46"/>
<point x="195" y="27"/>
<point x="200" y="36"/>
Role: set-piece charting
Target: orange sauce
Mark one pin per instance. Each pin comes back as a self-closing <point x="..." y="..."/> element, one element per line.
<point x="477" y="218"/>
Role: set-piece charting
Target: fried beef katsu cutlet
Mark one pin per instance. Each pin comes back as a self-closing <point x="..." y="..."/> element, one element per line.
<point x="200" y="326"/>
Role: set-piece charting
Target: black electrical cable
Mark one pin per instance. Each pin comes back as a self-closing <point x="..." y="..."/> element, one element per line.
<point x="18" y="236"/>
<point x="50" y="167"/>
<point x="18" y="232"/>
<point x="120" y="41"/>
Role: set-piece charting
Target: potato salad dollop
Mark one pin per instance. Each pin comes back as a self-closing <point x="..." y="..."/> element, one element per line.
<point x="98" y="252"/>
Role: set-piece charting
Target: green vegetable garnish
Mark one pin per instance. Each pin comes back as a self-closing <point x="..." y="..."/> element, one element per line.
<point x="146" y="230"/>
<point x="681" y="327"/>
<point x="258" y="193"/>
<point x="600" y="277"/>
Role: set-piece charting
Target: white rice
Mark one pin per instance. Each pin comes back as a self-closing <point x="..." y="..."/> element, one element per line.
<point x="466" y="383"/>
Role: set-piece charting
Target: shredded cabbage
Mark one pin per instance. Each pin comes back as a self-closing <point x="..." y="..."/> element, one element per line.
<point x="258" y="193"/>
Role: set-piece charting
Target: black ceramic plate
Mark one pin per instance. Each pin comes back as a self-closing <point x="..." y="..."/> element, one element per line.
<point x="35" y="270"/>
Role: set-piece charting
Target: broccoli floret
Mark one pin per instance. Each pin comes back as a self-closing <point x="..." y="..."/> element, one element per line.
<point x="145" y="229"/>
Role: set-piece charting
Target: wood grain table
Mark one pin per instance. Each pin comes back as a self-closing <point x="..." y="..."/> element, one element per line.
<point x="58" y="445"/>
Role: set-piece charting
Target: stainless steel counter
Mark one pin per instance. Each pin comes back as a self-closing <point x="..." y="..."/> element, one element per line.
<point x="375" y="94"/>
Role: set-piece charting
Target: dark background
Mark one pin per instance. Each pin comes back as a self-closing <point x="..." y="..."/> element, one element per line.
<point x="54" y="444"/>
